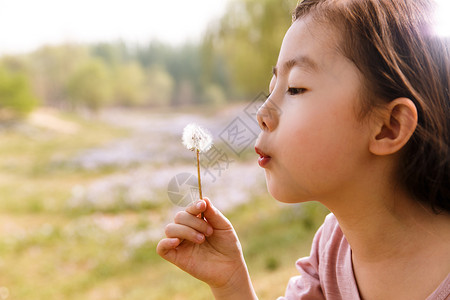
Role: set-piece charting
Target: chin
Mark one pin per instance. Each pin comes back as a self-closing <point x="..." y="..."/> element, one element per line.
<point x="284" y="194"/>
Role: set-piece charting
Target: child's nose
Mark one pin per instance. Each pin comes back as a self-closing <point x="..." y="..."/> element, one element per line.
<point x="268" y="115"/>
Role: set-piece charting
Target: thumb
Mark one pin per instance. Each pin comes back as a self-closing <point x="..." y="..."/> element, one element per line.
<point x="214" y="217"/>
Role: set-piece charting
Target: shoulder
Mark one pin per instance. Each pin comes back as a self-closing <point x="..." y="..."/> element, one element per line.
<point x="330" y="259"/>
<point x="329" y="245"/>
<point x="330" y="223"/>
<point x="335" y="264"/>
<point x="329" y="234"/>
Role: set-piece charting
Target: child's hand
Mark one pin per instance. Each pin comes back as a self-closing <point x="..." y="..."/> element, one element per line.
<point x="208" y="250"/>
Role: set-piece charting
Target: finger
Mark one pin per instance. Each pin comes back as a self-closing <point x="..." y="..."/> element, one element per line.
<point x="165" y="246"/>
<point x="184" y="232"/>
<point x="215" y="217"/>
<point x="198" y="224"/>
<point x="196" y="208"/>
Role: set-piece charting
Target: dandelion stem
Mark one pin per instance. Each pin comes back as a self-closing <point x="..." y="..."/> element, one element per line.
<point x="199" y="179"/>
<point x="198" y="172"/>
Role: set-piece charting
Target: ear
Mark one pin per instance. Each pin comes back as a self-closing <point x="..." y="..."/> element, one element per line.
<point x="395" y="127"/>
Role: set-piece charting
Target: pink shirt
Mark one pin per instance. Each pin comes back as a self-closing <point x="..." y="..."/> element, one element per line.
<point x="328" y="272"/>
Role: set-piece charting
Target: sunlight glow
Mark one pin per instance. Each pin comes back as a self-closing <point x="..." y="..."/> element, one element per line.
<point x="442" y="26"/>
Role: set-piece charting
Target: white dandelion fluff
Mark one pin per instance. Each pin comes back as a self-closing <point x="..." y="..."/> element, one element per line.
<point x="197" y="138"/>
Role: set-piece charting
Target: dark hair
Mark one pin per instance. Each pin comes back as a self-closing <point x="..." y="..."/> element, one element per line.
<point x="393" y="45"/>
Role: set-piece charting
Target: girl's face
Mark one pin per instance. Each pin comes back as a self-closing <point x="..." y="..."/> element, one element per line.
<point x="312" y="146"/>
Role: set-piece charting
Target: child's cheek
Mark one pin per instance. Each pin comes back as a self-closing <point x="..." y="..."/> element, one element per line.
<point x="319" y="148"/>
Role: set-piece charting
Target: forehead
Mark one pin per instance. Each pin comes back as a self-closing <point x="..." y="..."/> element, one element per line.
<point x="309" y="45"/>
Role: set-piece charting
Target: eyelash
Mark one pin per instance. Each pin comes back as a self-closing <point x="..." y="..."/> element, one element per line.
<point x="291" y="91"/>
<point x="295" y="91"/>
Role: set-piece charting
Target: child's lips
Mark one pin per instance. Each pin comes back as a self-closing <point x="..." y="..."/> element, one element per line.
<point x="263" y="159"/>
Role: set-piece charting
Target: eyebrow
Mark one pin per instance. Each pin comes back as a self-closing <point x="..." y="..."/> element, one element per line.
<point x="301" y="61"/>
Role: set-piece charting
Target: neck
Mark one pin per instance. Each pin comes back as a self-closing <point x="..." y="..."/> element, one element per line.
<point x="389" y="225"/>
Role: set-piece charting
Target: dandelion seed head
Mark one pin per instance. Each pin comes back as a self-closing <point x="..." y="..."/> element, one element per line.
<point x="196" y="137"/>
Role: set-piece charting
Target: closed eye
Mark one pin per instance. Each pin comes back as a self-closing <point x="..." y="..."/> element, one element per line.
<point x="295" y="91"/>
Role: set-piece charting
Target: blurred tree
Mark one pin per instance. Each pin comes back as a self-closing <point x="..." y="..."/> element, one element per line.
<point x="214" y="70"/>
<point x="51" y="67"/>
<point x="16" y="64"/>
<point x="112" y="53"/>
<point x="90" y="85"/>
<point x="248" y="37"/>
<point x="160" y="86"/>
<point x="214" y="95"/>
<point x="129" y="84"/>
<point x="185" y="66"/>
<point x="182" y="63"/>
<point x="16" y="97"/>
<point x="154" y="53"/>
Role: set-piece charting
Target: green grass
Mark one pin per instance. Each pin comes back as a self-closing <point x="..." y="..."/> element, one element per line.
<point x="49" y="251"/>
<point x="33" y="176"/>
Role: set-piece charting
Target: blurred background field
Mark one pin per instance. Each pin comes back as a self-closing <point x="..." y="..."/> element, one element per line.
<point x="90" y="137"/>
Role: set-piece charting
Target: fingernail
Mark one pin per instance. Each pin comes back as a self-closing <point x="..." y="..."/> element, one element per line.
<point x="209" y="231"/>
<point x="199" y="204"/>
<point x="199" y="237"/>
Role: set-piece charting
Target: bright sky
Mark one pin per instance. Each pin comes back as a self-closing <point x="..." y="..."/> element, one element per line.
<point x="27" y="24"/>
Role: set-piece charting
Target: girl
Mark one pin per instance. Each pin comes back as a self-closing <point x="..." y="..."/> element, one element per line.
<point x="363" y="87"/>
